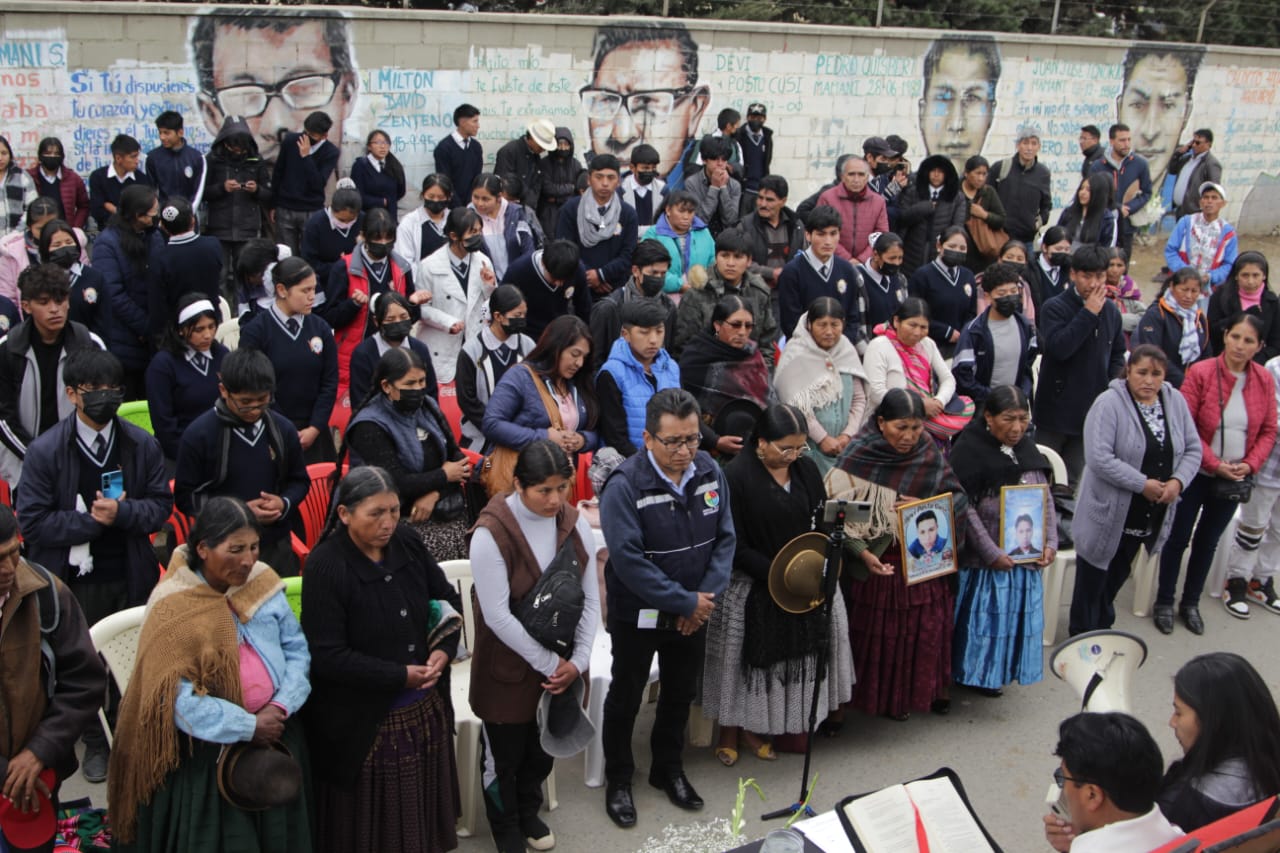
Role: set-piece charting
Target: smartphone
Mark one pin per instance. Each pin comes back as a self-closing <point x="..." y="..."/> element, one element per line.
<point x="1056" y="800"/>
<point x="855" y="512"/>
<point x="113" y="484"/>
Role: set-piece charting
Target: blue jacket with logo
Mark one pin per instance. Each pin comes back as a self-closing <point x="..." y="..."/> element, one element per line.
<point x="665" y="546"/>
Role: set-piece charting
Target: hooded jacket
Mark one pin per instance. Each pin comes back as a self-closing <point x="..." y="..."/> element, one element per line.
<point x="235" y="216"/>
<point x="693" y="314"/>
<point x="920" y="220"/>
<point x="559" y="181"/>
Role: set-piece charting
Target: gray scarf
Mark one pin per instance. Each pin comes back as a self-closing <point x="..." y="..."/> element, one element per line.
<point x="593" y="226"/>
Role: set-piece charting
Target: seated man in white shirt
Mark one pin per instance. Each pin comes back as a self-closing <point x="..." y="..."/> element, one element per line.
<point x="1110" y="774"/>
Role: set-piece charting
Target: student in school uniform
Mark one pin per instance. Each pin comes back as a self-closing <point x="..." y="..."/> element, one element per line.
<point x="459" y="156"/>
<point x="244" y="449"/>
<point x="182" y="379"/>
<point x="304" y="354"/>
<point x="106" y="183"/>
<point x="331" y="233"/>
<point x="553" y="284"/>
<point x="422" y="232"/>
<point x="949" y="288"/>
<point x="176" y="167"/>
<point x="459" y="279"/>
<point x="393" y="317"/>
<point x="819" y="271"/>
<point x="642" y="188"/>
<point x="187" y="263"/>
<point x="63" y="245"/>
<point x="379" y="176"/>
<point x="884" y="285"/>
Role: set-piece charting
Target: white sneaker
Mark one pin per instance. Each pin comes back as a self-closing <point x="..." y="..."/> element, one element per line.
<point x="1265" y="594"/>
<point x="1236" y="601"/>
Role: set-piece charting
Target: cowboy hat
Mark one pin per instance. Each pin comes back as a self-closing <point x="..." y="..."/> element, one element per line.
<point x="795" y="576"/>
<point x="256" y="778"/>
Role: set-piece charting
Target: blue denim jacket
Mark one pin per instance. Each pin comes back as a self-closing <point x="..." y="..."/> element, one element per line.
<point x="277" y="637"/>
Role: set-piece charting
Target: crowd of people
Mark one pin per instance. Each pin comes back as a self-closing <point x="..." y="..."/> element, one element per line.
<point x="729" y="363"/>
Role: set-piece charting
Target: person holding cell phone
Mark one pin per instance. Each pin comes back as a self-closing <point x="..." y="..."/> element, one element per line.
<point x="93" y="491"/>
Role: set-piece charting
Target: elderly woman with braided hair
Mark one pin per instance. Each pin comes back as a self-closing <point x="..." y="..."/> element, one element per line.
<point x="382" y="623"/>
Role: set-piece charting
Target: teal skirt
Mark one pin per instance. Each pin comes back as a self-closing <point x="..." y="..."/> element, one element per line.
<point x="187" y="814"/>
<point x="999" y="626"/>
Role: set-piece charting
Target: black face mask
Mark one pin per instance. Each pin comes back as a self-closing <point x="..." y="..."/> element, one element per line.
<point x="755" y="126"/>
<point x="436" y="206"/>
<point x="561" y="155"/>
<point x="396" y="331"/>
<point x="1009" y="305"/>
<point x="378" y="251"/>
<point x="101" y="406"/>
<point x="66" y="257"/>
<point x="474" y="243"/>
<point x="645" y="178"/>
<point x="651" y="285"/>
<point x="1060" y="259"/>
<point x="515" y="325"/>
<point x="51" y="162"/>
<point x="410" y="400"/>
<point x="953" y="257"/>
<point x="890" y="269"/>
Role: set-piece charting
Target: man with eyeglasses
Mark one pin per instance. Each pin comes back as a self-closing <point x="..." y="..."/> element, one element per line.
<point x="93" y="492"/>
<point x="301" y="173"/>
<point x="1109" y="776"/>
<point x="245" y="449"/>
<point x="666" y="517"/>
<point x="644" y="89"/>
<point x="1194" y="165"/>
<point x="273" y="67"/>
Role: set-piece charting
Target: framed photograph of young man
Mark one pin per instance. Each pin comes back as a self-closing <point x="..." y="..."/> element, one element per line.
<point x="926" y="529"/>
<point x="1022" y="514"/>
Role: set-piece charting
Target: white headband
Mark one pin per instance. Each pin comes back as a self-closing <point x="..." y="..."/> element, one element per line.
<point x="195" y="309"/>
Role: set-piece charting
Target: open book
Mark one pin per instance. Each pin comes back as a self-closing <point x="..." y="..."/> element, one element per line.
<point x="929" y="815"/>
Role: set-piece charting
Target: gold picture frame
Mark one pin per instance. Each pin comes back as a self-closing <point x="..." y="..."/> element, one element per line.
<point x="926" y="530"/>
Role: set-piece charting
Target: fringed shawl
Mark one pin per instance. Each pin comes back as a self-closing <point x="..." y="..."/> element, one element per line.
<point x="809" y="376"/>
<point x="185" y="634"/>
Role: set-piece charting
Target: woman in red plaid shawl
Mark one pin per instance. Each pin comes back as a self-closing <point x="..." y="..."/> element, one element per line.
<point x="901" y="635"/>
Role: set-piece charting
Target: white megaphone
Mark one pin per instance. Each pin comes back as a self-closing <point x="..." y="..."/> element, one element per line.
<point x="1100" y="666"/>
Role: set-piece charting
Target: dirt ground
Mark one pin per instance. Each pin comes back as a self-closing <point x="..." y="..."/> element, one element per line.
<point x="1148" y="259"/>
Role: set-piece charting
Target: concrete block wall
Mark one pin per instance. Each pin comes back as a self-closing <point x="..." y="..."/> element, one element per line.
<point x="86" y="71"/>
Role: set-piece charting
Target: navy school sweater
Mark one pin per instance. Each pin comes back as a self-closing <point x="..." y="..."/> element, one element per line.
<point x="188" y="263"/>
<point x="306" y="366"/>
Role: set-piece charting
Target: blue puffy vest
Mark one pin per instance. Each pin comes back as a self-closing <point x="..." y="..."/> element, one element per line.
<point x="628" y="372"/>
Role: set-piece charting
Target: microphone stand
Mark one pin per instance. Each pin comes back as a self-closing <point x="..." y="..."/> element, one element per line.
<point x="831" y="569"/>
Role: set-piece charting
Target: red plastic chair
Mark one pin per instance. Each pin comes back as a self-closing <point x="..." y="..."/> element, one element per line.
<point x="582" y="486"/>
<point x="6" y="497"/>
<point x="449" y="405"/>
<point x="314" y="509"/>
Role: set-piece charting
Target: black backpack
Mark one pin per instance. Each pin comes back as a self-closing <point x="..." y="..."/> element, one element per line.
<point x="50" y="617"/>
<point x="552" y="609"/>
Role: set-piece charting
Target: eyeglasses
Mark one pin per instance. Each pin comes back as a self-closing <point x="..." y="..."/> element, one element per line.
<point x="790" y="452"/>
<point x="248" y="407"/>
<point x="679" y="442"/>
<point x="644" y="107"/>
<point x="308" y="92"/>
<point x="740" y="324"/>
<point x="1062" y="778"/>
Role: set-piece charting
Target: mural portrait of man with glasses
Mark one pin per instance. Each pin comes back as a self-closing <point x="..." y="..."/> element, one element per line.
<point x="644" y="89"/>
<point x="273" y="67"/>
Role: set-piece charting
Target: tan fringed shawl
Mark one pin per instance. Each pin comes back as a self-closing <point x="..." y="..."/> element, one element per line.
<point x="185" y="634"/>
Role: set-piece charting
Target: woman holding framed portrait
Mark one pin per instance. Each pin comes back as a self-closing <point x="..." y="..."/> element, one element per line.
<point x="900" y="633"/>
<point x="1000" y="603"/>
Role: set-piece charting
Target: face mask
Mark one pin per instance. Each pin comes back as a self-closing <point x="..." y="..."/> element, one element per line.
<point x="473" y="243"/>
<point x="561" y="155"/>
<point x="100" y="406"/>
<point x="755" y="126"/>
<point x="66" y="257"/>
<point x="645" y="178"/>
<point x="515" y="325"/>
<point x="890" y="269"/>
<point x="378" y="251"/>
<point x="651" y="285"/>
<point x="953" y="257"/>
<point x="396" y="331"/>
<point x="1009" y="305"/>
<point x="882" y="168"/>
<point x="1060" y="259"/>
<point x="435" y="206"/>
<point x="410" y="400"/>
<point x="51" y="162"/>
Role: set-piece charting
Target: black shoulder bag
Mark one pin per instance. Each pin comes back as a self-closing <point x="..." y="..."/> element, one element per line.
<point x="552" y="609"/>
<point x="1233" y="491"/>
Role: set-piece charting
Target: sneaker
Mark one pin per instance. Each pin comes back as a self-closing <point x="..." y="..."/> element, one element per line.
<point x="94" y="766"/>
<point x="1265" y="594"/>
<point x="1237" y="598"/>
<point x="537" y="835"/>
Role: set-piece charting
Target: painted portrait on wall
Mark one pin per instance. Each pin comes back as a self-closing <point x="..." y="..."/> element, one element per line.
<point x="644" y="88"/>
<point x="959" y="102"/>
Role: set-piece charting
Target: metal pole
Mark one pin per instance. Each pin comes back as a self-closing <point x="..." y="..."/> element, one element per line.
<point x="1053" y="28"/>
<point x="879" y="12"/>
<point x="1203" y="16"/>
<point x="666" y="8"/>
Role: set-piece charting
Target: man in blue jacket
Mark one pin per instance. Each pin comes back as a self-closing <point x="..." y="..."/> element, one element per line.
<point x="93" y="491"/>
<point x="671" y="541"/>
<point x="1084" y="348"/>
<point x="1132" y="178"/>
<point x="637" y="368"/>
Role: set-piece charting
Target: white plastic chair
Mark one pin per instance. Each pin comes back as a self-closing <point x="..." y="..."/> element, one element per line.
<point x="1054" y="575"/>
<point x="1147" y="569"/>
<point x="116" y="639"/>
<point x="467" y="724"/>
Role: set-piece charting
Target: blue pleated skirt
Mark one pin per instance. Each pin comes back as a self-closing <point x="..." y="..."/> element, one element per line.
<point x="999" y="625"/>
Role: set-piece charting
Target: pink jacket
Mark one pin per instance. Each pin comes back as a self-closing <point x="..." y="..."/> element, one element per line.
<point x="1201" y="390"/>
<point x="859" y="219"/>
<point x="13" y="260"/>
